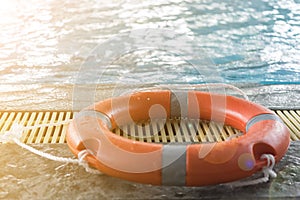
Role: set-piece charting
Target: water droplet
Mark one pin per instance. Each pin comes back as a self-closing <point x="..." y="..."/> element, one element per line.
<point x="293" y="174"/>
<point x="179" y="194"/>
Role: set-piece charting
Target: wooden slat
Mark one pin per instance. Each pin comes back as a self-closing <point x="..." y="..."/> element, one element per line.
<point x="2" y="121"/>
<point x="41" y="133"/>
<point x="193" y="132"/>
<point x="185" y="131"/>
<point x="49" y="133"/>
<point x="160" y="129"/>
<point x="156" y="131"/>
<point x="293" y="129"/>
<point x="62" y="138"/>
<point x="57" y="130"/>
<point x="31" y="138"/>
<point x="30" y="122"/>
<point x="8" y="121"/>
<point x="23" y="122"/>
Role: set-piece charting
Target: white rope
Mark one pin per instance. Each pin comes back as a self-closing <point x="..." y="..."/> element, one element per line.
<point x="267" y="171"/>
<point x="15" y="134"/>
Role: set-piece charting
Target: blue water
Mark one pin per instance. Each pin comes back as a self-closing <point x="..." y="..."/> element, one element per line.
<point x="246" y="41"/>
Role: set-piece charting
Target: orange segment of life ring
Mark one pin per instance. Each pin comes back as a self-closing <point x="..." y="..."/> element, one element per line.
<point x="190" y="164"/>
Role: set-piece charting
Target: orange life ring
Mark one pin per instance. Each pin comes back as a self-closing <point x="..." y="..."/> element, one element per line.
<point x="190" y="164"/>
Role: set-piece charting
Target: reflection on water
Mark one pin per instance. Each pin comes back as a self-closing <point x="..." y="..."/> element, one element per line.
<point x="253" y="41"/>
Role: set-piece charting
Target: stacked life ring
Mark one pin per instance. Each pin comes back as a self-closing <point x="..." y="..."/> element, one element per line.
<point x="180" y="163"/>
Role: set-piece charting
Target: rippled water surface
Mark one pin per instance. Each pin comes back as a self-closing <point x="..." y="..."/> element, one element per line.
<point x="248" y="41"/>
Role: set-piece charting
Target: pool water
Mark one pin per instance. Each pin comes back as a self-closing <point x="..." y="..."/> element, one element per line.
<point x="248" y="42"/>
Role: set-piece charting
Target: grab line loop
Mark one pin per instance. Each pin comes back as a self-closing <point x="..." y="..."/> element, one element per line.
<point x="267" y="172"/>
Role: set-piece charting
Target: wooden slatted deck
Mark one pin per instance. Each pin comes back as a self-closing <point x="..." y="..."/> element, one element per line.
<point x="172" y="131"/>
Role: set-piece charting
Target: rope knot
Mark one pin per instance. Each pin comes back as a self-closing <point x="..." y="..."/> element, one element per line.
<point x="81" y="155"/>
<point x="268" y="170"/>
<point x="15" y="132"/>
